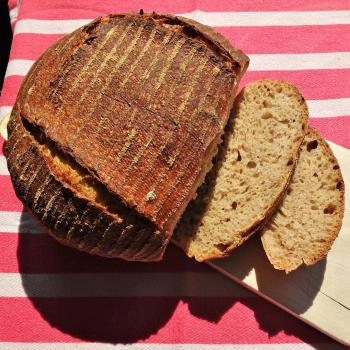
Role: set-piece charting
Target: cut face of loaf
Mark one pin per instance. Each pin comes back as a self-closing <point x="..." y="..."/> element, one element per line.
<point x="112" y="131"/>
<point x="309" y="218"/>
<point x="251" y="174"/>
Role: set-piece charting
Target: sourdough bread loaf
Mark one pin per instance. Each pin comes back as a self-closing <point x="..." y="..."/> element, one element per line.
<point x="309" y="218"/>
<point x="115" y="127"/>
<point x="251" y="173"/>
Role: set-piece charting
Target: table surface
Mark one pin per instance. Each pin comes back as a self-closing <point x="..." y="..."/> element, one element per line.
<point x="52" y="297"/>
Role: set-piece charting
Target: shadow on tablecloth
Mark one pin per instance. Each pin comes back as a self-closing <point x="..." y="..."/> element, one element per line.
<point x="126" y="313"/>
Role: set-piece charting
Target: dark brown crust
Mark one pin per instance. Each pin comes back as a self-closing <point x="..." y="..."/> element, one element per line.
<point x="165" y="178"/>
<point x="90" y="227"/>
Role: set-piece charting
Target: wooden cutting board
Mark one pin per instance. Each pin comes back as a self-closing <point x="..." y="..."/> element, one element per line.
<point x="318" y="295"/>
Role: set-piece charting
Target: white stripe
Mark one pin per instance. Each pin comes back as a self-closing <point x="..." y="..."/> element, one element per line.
<point x="260" y="62"/>
<point x="146" y="284"/>
<point x="14" y="13"/>
<point x="4" y="111"/>
<point x="216" y="19"/>
<point x="43" y="26"/>
<point x="18" y="67"/>
<point x="4" y="119"/>
<point x="157" y="346"/>
<point x="14" y="222"/>
<point x="326" y="60"/>
<point x="329" y="108"/>
<point x="3" y="166"/>
<point x="228" y="19"/>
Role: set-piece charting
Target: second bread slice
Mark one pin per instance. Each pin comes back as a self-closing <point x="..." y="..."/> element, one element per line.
<point x="251" y="176"/>
<point x="309" y="218"/>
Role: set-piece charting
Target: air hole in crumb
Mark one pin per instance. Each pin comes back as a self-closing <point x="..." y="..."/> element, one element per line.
<point x="267" y="104"/>
<point x="290" y="161"/>
<point x="227" y="219"/>
<point x="340" y="185"/>
<point x="239" y="157"/>
<point x="251" y="164"/>
<point x="315" y="175"/>
<point x="234" y="205"/>
<point x="314" y="207"/>
<point x="336" y="167"/>
<point x="289" y="190"/>
<point x="329" y="209"/>
<point x="312" y="145"/>
<point x="222" y="246"/>
<point x="267" y="115"/>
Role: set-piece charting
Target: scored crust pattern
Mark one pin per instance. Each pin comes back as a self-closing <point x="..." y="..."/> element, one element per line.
<point x="123" y="100"/>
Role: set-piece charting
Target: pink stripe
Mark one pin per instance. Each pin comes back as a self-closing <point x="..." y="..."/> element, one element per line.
<point x="31" y="46"/>
<point x="10" y="90"/>
<point x="334" y="129"/>
<point x="2" y="145"/>
<point x="19" y="253"/>
<point x="8" y="202"/>
<point x="12" y="3"/>
<point x="314" y="84"/>
<point x="85" y="9"/>
<point x="292" y="39"/>
<point x="151" y="320"/>
<point x="313" y="39"/>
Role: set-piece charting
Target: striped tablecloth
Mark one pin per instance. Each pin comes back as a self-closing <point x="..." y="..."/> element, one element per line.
<point x="52" y="297"/>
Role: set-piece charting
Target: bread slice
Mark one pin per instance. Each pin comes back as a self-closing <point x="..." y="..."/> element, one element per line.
<point x="309" y="218"/>
<point x="252" y="174"/>
<point x="112" y="131"/>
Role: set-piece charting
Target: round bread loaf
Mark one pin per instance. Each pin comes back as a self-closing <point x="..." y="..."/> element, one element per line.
<point x="115" y="127"/>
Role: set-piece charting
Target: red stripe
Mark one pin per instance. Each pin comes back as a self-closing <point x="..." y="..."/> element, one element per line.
<point x="85" y="9"/>
<point x="10" y="89"/>
<point x="292" y="39"/>
<point x="2" y="145"/>
<point x="8" y="200"/>
<point x="150" y="320"/>
<point x="311" y="39"/>
<point x="334" y="129"/>
<point x="314" y="84"/>
<point x="31" y="46"/>
<point x="39" y="253"/>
